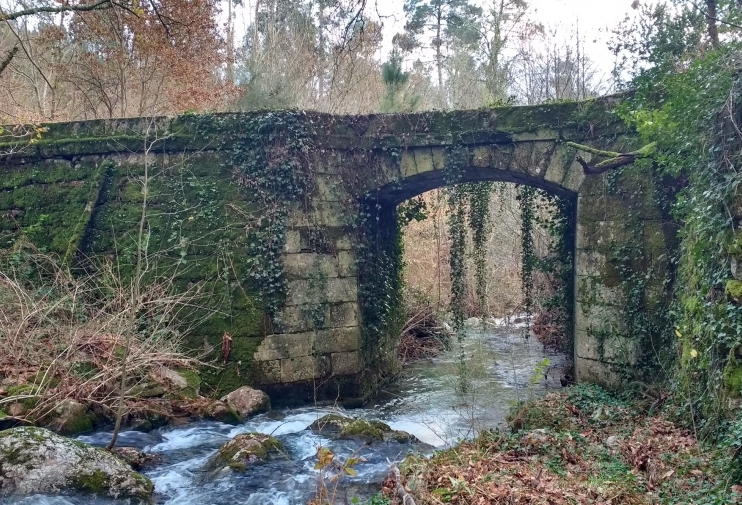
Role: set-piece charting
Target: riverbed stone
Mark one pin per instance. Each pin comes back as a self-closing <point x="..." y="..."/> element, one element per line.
<point x="243" y="451"/>
<point x="37" y="460"/>
<point x="247" y="402"/>
<point x="220" y="411"/>
<point x="342" y="427"/>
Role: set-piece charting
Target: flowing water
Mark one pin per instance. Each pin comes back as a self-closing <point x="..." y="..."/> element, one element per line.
<point x="501" y="368"/>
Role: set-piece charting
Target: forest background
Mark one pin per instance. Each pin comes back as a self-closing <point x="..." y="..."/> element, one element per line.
<point x="62" y="61"/>
<point x="75" y="61"/>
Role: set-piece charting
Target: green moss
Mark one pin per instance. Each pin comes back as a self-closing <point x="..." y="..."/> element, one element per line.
<point x="733" y="290"/>
<point x="193" y="381"/>
<point x="733" y="376"/>
<point x="366" y="430"/>
<point x="244" y="449"/>
<point x="96" y="482"/>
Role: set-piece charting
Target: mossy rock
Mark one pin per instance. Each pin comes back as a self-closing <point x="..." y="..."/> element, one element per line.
<point x="242" y="452"/>
<point x="70" y="418"/>
<point x="38" y="461"/>
<point x="342" y="427"/>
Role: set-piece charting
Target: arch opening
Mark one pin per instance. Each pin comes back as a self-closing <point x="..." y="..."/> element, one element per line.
<point x="386" y="269"/>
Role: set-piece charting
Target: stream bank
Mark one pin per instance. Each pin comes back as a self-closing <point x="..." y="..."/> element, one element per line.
<point x="424" y="403"/>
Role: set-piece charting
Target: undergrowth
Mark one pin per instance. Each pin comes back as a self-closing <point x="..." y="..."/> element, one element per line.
<point x="581" y="445"/>
<point x="64" y="336"/>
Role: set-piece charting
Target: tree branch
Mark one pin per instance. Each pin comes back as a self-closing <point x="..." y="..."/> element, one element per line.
<point x="615" y="159"/>
<point x="101" y="4"/>
<point x="8" y="58"/>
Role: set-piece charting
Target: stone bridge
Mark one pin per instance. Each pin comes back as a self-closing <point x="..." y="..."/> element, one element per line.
<point x="77" y="192"/>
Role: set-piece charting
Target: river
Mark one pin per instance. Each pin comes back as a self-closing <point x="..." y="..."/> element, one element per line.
<point x="502" y="368"/>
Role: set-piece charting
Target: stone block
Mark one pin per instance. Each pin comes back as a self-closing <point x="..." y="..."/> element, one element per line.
<point x="309" y="265"/>
<point x="331" y="214"/>
<point x="337" y="340"/>
<point x="602" y="235"/>
<point x="574" y="178"/>
<point x="299" y="318"/>
<point x="439" y="158"/>
<point x="298" y="293"/>
<point x="541" y="158"/>
<point x="521" y="158"/>
<point x="343" y="314"/>
<point x="342" y="289"/>
<point x="589" y="263"/>
<point x="481" y="157"/>
<point x="596" y="372"/>
<point x="501" y="157"/>
<point x="539" y="135"/>
<point x="293" y="242"/>
<point x="407" y="164"/>
<point x="285" y="345"/>
<point x="335" y="290"/>
<point x="269" y="371"/>
<point x="327" y="162"/>
<point x="344" y="243"/>
<point x="299" y="369"/>
<point x="423" y="160"/>
<point x="346" y="363"/>
<point x="598" y="290"/>
<point x="559" y="165"/>
<point x="346" y="264"/>
<point x="598" y="208"/>
<point x="328" y="188"/>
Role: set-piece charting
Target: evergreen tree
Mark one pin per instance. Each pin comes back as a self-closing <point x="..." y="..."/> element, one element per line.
<point x="442" y="25"/>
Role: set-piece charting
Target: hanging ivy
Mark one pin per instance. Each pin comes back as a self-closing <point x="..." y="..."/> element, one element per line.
<point x="526" y="200"/>
<point x="479" y="223"/>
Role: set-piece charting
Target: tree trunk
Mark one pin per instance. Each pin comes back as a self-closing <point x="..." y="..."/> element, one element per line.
<point x="712" y="28"/>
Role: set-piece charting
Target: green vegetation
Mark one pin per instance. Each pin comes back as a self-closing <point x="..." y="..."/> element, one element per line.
<point x="584" y="445"/>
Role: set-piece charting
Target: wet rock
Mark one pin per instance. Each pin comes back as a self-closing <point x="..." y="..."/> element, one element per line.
<point x="220" y="411"/>
<point x="337" y="426"/>
<point x="146" y="420"/>
<point x="247" y="402"/>
<point x="137" y="459"/>
<point x="70" y="418"/>
<point x="243" y="451"/>
<point x="37" y="460"/>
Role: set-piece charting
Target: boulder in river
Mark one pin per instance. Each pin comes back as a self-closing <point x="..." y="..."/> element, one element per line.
<point x="337" y="426"/>
<point x="242" y="451"/>
<point x="247" y="402"/>
<point x="36" y="460"/>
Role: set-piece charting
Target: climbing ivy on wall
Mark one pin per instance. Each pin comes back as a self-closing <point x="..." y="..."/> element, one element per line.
<point x="267" y="153"/>
<point x="694" y="117"/>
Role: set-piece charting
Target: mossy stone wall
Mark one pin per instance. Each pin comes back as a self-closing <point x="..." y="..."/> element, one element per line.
<point x="77" y="193"/>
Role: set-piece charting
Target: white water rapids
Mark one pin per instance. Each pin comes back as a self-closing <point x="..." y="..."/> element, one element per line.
<point x="503" y="368"/>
